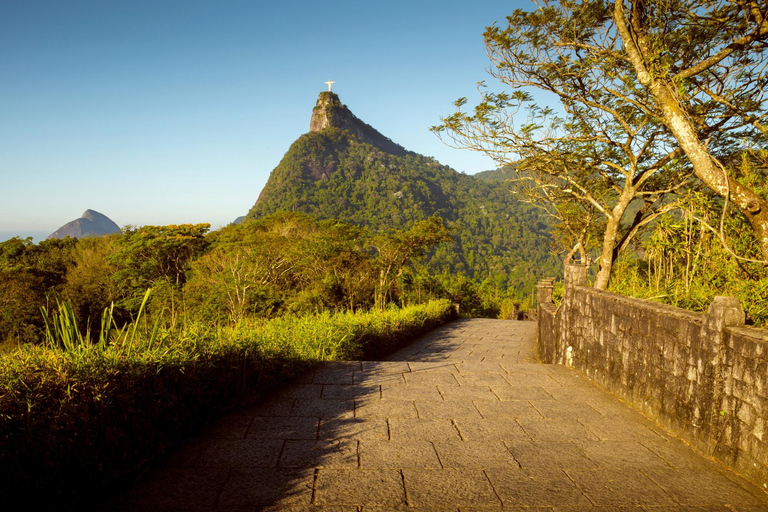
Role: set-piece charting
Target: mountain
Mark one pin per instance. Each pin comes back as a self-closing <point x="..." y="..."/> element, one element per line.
<point x="499" y="175"/>
<point x="345" y="169"/>
<point x="92" y="223"/>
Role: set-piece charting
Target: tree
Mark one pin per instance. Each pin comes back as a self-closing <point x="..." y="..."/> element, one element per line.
<point x="152" y="256"/>
<point x="396" y="248"/>
<point x="703" y="64"/>
<point x="601" y="157"/>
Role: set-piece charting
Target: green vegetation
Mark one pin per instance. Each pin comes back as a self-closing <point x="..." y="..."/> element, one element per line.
<point x="686" y="262"/>
<point x="287" y="263"/>
<point x="496" y="238"/>
<point x="653" y="164"/>
<point x="97" y="374"/>
<point x="76" y="416"/>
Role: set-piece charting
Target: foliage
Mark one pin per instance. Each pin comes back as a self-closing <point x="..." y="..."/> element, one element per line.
<point x="29" y="273"/>
<point x="702" y="67"/>
<point x="396" y="248"/>
<point x="599" y="166"/>
<point x="332" y="175"/>
<point x="155" y="256"/>
<point x="74" y="420"/>
<point x="686" y="263"/>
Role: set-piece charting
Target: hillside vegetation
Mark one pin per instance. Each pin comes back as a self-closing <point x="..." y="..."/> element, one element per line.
<point x="332" y="175"/>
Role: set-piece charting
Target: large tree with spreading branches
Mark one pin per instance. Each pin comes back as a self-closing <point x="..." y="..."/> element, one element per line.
<point x="647" y="93"/>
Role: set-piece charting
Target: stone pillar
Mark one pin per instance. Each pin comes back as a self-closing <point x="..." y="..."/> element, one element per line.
<point x="575" y="275"/>
<point x="724" y="312"/>
<point x="544" y="290"/>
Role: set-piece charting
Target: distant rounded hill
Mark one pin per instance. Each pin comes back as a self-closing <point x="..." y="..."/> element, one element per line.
<point x="92" y="223"/>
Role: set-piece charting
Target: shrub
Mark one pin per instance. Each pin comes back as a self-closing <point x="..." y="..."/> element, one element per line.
<point x="74" y="420"/>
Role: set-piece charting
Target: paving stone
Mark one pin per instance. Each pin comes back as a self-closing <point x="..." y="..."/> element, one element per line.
<point x="467" y="367"/>
<point x="530" y="376"/>
<point x="228" y="427"/>
<point x="508" y="410"/>
<point x="270" y="407"/>
<point x="354" y="428"/>
<point x="420" y="366"/>
<point x="467" y="392"/>
<point x="608" y="430"/>
<point x="536" y="488"/>
<point x="319" y="454"/>
<point x="556" y="430"/>
<point x="613" y="487"/>
<point x="433" y="378"/>
<point x="338" y="372"/>
<point x="312" y="508"/>
<point x="283" y="427"/>
<point x="300" y="391"/>
<point x="446" y="409"/>
<point x="497" y="431"/>
<point x="409" y="453"/>
<point x="449" y="487"/>
<point x="474" y="454"/>
<point x="385" y="367"/>
<point x="578" y="410"/>
<point x="513" y="393"/>
<point x="321" y="408"/>
<point x="385" y="409"/>
<point x="360" y="487"/>
<point x="179" y="487"/>
<point x="411" y="392"/>
<point x="699" y="487"/>
<point x="618" y="454"/>
<point x="379" y="378"/>
<point x="491" y="429"/>
<point x="274" y="487"/>
<point x="678" y="454"/>
<point x="351" y="392"/>
<point x="536" y="455"/>
<point x="239" y="453"/>
<point x="425" y="429"/>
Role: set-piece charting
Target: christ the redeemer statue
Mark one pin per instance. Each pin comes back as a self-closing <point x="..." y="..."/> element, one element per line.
<point x="330" y="83"/>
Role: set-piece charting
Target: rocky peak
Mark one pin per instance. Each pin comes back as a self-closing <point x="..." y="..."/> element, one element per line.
<point x="91" y="223"/>
<point x="329" y="112"/>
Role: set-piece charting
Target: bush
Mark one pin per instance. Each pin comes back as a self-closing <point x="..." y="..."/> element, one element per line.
<point x="74" y="421"/>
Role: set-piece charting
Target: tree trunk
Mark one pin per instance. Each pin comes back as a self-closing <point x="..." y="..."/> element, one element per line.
<point x="608" y="254"/>
<point x="754" y="208"/>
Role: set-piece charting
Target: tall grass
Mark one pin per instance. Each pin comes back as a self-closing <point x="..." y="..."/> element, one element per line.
<point x="76" y="415"/>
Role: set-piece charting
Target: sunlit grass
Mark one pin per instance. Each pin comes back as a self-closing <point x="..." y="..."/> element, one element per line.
<point x="76" y="413"/>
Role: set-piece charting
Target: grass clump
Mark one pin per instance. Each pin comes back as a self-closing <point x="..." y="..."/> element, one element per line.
<point x="76" y="415"/>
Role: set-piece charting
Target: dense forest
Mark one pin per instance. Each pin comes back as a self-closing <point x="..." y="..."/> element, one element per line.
<point x="495" y="237"/>
<point x="285" y="263"/>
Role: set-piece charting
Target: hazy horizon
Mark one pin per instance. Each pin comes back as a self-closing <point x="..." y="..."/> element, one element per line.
<point x="176" y="112"/>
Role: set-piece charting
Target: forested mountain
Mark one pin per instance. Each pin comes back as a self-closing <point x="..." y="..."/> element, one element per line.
<point x="345" y="169"/>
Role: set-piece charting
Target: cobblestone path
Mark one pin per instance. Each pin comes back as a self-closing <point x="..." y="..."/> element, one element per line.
<point x="465" y="419"/>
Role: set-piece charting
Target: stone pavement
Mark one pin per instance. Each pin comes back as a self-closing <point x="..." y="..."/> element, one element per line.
<point x="462" y="420"/>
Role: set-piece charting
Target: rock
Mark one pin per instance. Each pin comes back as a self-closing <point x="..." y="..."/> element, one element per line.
<point x="330" y="113"/>
<point x="92" y="223"/>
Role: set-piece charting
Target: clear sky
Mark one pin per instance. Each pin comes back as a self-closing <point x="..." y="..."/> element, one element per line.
<point x="169" y="112"/>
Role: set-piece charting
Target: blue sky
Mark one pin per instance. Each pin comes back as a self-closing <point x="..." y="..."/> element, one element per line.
<point x="168" y="112"/>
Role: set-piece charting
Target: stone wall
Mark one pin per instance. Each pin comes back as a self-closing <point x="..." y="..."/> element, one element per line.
<point x="703" y="376"/>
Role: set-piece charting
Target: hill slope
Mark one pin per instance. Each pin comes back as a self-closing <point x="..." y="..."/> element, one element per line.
<point x="338" y="171"/>
<point x="91" y="223"/>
